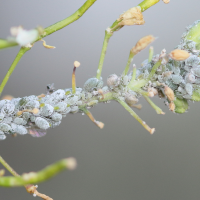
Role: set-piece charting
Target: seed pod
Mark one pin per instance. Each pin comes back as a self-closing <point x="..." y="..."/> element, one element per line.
<point x="189" y="88"/>
<point x="196" y="71"/>
<point x="2" y="135"/>
<point x="56" y="117"/>
<point x="172" y="106"/>
<point x="131" y="17"/>
<point x="4" y="127"/>
<point x="60" y="107"/>
<point x="181" y="105"/>
<point x="130" y="99"/>
<point x="113" y="81"/>
<point x="177" y="79"/>
<point x="142" y="44"/>
<point x="178" y="54"/>
<point x="42" y="123"/>
<point x="46" y="110"/>
<point x="169" y="93"/>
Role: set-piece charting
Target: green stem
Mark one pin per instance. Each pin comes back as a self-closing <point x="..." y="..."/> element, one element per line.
<point x="57" y="26"/>
<point x="35" y="177"/>
<point x="140" y="83"/>
<point x="103" y="53"/>
<point x="8" y="167"/>
<point x="154" y="69"/>
<point x="151" y="130"/>
<point x="65" y="22"/>
<point x="150" y="54"/>
<point x="21" y="52"/>
<point x="147" y="4"/>
<point x="157" y="109"/>
<point x="133" y="75"/>
<point x="144" y="5"/>
<point x="130" y="59"/>
<point x="6" y="44"/>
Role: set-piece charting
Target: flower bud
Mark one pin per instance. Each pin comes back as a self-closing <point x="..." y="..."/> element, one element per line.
<point x="131" y="17"/>
<point x="172" y="106"/>
<point x="169" y="93"/>
<point x="77" y="64"/>
<point x="166" y="1"/>
<point x="142" y="44"/>
<point x="152" y="92"/>
<point x="179" y="55"/>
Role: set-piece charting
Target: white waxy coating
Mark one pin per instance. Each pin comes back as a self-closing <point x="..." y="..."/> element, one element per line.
<point x="42" y="123"/>
<point x="4" y="127"/>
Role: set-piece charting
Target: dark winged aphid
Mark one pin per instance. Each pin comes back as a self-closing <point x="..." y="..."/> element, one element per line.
<point x="50" y="88"/>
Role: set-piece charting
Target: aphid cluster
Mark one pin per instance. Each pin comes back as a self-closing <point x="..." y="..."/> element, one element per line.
<point x="180" y="79"/>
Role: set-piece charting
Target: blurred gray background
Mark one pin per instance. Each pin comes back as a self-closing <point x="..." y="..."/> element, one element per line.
<point x="122" y="161"/>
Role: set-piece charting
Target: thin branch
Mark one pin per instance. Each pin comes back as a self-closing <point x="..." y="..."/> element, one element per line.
<point x="21" y="52"/>
<point x="37" y="177"/>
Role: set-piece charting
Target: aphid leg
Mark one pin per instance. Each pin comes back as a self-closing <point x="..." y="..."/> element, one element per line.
<point x="89" y="114"/>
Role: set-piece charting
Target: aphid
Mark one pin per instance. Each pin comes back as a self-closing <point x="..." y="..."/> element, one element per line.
<point x="42" y="123"/>
<point x="92" y="83"/>
<point x="2" y="135"/>
<point x="50" y="88"/>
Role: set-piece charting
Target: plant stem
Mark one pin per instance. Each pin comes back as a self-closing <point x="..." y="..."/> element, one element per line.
<point x="21" y="52"/>
<point x="36" y="177"/>
<point x="150" y="54"/>
<point x="6" y="44"/>
<point x="153" y="71"/>
<point x="8" y="167"/>
<point x="157" y="109"/>
<point x="65" y="22"/>
<point x="49" y="30"/>
<point x="103" y="53"/>
<point x="147" y="4"/>
<point x="144" y="5"/>
<point x="130" y="59"/>
<point x="151" y="130"/>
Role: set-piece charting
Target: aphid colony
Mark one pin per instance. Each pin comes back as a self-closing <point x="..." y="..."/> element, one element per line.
<point x="166" y="75"/>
